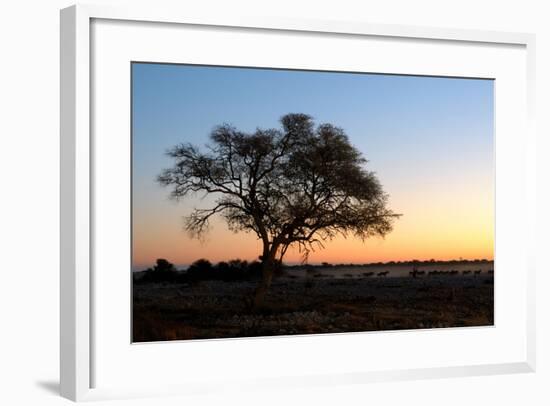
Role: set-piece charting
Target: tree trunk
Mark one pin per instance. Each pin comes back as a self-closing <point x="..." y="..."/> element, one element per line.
<point x="268" y="267"/>
<point x="265" y="283"/>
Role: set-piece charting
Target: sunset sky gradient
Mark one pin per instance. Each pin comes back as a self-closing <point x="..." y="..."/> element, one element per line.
<point x="430" y="141"/>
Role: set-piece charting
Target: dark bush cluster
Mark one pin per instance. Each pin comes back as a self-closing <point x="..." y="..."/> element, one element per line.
<point x="200" y="270"/>
<point x="234" y="270"/>
<point x="163" y="271"/>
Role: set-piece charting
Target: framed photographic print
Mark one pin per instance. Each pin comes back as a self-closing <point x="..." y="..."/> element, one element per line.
<point x="282" y="225"/>
<point x="274" y="202"/>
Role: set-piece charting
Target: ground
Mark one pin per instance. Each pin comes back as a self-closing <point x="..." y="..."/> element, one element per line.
<point x="311" y="303"/>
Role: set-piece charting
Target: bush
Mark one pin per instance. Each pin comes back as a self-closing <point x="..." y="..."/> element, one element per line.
<point x="201" y="270"/>
<point x="233" y="270"/>
<point x="164" y="266"/>
<point x="163" y="271"/>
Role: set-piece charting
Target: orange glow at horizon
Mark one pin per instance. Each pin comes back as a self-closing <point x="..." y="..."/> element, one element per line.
<point x="438" y="226"/>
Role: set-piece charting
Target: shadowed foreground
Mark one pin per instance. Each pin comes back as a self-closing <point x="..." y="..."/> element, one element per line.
<point x="311" y="304"/>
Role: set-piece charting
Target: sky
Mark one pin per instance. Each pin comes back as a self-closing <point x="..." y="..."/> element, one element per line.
<point x="428" y="139"/>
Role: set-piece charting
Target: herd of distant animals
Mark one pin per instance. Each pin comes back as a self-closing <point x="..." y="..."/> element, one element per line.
<point x="416" y="273"/>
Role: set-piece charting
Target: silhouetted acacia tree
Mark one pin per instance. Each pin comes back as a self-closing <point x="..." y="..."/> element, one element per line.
<point x="299" y="185"/>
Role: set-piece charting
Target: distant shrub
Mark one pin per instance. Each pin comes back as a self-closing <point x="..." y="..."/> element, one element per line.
<point x="163" y="265"/>
<point x="163" y="271"/>
<point x="234" y="270"/>
<point x="202" y="270"/>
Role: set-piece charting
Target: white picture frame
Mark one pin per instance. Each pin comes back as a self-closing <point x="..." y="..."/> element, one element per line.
<point x="77" y="282"/>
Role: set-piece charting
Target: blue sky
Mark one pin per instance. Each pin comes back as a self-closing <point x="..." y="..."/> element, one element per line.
<point x="418" y="133"/>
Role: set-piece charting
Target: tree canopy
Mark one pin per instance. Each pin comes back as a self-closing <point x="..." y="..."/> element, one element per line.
<point x="298" y="185"/>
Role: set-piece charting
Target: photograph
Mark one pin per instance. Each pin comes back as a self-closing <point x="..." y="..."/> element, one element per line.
<point x="281" y="202"/>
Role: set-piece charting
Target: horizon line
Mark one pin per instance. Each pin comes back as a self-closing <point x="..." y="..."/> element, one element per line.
<point x="391" y="262"/>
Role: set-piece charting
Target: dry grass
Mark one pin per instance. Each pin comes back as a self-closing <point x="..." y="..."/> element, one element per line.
<point x="218" y="310"/>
